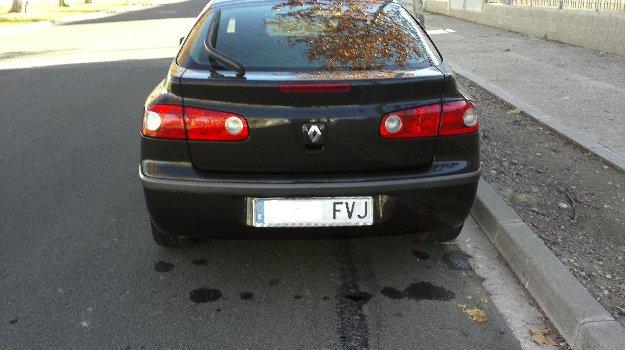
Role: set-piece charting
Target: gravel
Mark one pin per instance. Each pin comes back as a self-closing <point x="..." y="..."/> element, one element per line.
<point x="570" y="198"/>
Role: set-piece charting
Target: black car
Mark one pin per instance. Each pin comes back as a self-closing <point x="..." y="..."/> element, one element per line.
<point x="308" y="119"/>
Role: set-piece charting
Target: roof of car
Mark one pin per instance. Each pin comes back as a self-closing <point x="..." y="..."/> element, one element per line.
<point x="234" y="2"/>
<point x="295" y="1"/>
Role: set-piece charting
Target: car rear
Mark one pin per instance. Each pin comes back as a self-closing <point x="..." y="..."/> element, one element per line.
<point x="330" y="118"/>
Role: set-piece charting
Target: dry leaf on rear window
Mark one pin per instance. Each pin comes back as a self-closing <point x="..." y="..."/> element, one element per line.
<point x="541" y="336"/>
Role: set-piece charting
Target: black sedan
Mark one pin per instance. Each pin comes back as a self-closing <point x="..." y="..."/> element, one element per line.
<point x="308" y="119"/>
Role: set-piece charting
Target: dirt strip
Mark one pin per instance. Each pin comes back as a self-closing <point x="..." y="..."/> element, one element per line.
<point x="570" y="198"/>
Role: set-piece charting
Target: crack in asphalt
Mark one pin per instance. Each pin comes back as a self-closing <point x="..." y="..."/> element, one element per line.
<point x="352" y="323"/>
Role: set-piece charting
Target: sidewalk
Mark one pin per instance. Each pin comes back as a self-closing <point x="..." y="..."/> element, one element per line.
<point x="151" y="33"/>
<point x="582" y="89"/>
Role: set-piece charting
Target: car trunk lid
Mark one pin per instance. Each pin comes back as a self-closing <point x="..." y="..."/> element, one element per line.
<point x="281" y="110"/>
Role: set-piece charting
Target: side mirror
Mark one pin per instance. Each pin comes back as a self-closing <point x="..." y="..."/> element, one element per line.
<point x="182" y="39"/>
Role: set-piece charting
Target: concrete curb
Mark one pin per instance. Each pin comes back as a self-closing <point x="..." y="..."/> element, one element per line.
<point x="579" y="318"/>
<point x="574" y="136"/>
<point x="102" y="14"/>
<point x="71" y="20"/>
<point x="17" y="28"/>
<point x="12" y="29"/>
<point x="77" y="19"/>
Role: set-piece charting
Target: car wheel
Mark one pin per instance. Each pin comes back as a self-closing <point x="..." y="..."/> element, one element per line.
<point x="440" y="236"/>
<point x="162" y="238"/>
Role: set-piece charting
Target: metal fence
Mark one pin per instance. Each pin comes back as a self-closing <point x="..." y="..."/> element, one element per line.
<point x="589" y="5"/>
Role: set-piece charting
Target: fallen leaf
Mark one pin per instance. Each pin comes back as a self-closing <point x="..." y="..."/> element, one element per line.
<point x="515" y="111"/>
<point x="477" y="315"/>
<point x="519" y="197"/>
<point x="542" y="336"/>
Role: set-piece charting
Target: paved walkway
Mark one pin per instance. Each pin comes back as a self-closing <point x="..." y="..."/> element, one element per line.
<point x="149" y="34"/>
<point x="581" y="88"/>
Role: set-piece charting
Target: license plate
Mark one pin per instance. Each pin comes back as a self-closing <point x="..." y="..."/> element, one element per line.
<point x="311" y="212"/>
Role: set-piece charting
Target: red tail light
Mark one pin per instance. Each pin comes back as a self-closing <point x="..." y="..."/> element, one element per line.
<point x="446" y="119"/>
<point x="209" y="125"/>
<point x="163" y="122"/>
<point x="411" y="123"/>
<point x="458" y="118"/>
<point x="180" y="123"/>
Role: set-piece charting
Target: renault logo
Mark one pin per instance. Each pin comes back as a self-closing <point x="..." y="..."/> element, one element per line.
<point x="314" y="133"/>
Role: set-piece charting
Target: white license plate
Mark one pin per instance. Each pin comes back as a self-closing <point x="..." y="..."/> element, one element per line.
<point x="311" y="212"/>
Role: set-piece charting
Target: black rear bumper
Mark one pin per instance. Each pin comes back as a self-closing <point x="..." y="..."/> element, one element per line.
<point x="182" y="201"/>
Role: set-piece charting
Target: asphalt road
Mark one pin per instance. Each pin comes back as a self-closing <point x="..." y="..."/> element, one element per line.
<point x="78" y="268"/>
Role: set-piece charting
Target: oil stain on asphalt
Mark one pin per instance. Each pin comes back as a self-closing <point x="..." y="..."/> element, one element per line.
<point x="361" y="297"/>
<point x="419" y="291"/>
<point x="204" y="295"/>
<point x="247" y="296"/>
<point x="163" y="266"/>
<point x="200" y="262"/>
<point x="420" y="255"/>
<point x="393" y="293"/>
<point x="456" y="260"/>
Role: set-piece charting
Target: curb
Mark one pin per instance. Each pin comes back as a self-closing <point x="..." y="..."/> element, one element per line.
<point x="71" y="19"/>
<point x="102" y="14"/>
<point x="579" y="318"/>
<point x="574" y="136"/>
<point x="76" y="19"/>
<point x="17" y="28"/>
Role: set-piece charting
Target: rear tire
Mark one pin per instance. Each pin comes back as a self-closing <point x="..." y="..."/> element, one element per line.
<point x="162" y="238"/>
<point x="441" y="236"/>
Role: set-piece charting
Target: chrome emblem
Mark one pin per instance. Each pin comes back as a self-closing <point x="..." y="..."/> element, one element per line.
<point x="314" y="133"/>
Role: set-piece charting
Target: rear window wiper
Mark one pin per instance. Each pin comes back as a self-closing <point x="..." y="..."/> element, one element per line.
<point x="218" y="56"/>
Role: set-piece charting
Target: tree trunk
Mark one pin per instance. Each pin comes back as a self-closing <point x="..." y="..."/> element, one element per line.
<point x="62" y="3"/>
<point x="16" y="6"/>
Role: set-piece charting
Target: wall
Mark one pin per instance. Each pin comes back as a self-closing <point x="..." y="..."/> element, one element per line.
<point x="601" y="31"/>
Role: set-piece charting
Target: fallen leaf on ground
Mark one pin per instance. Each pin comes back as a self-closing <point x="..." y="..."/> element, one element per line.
<point x="520" y="197"/>
<point x="477" y="315"/>
<point x="542" y="336"/>
<point x="515" y="111"/>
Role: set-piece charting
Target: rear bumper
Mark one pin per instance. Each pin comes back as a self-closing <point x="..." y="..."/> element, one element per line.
<point x="181" y="177"/>
<point x="182" y="201"/>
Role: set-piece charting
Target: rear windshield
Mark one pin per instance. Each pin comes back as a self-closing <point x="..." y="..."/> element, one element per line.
<point x="308" y="36"/>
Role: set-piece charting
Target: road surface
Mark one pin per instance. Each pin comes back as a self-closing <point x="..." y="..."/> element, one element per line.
<point x="78" y="267"/>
